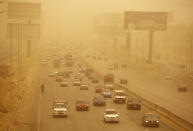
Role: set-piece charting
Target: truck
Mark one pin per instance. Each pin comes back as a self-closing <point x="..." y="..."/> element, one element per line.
<point x="108" y="81"/>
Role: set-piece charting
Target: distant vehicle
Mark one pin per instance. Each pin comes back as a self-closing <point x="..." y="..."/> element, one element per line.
<point x="64" y="83"/>
<point x="89" y="70"/>
<point x="60" y="108"/>
<point x="90" y="77"/>
<point x="82" y="69"/>
<point x="109" y="86"/>
<point x="99" y="101"/>
<point x="66" y="75"/>
<point x="106" y="59"/>
<point x="70" y="71"/>
<point x="106" y="93"/>
<point x="168" y="77"/>
<point x="56" y="63"/>
<point x="111" y="115"/>
<point x="119" y="96"/>
<point x="110" y="67"/>
<point x="52" y="74"/>
<point x="76" y="82"/>
<point x="182" y="88"/>
<point x="150" y="120"/>
<point x="98" y="58"/>
<point x="133" y="104"/>
<point x="99" y="88"/>
<point x="58" y="79"/>
<point x="95" y="80"/>
<point x="59" y="73"/>
<point x="83" y="86"/>
<point x="87" y="56"/>
<point x="124" y="65"/>
<point x="82" y="105"/>
<point x="108" y="81"/>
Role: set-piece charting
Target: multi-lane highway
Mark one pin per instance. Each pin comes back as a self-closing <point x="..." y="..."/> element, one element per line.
<point x="91" y="120"/>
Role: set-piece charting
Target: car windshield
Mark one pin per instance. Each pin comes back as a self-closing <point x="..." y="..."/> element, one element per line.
<point x="120" y="93"/>
<point x="82" y="102"/>
<point x="110" y="112"/>
<point x="150" y="116"/>
<point x="133" y="100"/>
<point x="59" y="105"/>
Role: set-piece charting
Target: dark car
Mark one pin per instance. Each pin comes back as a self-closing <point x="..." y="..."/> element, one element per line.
<point x="94" y="57"/>
<point x="83" y="86"/>
<point x="94" y="80"/>
<point x="66" y="75"/>
<point x="124" y="65"/>
<point x="133" y="104"/>
<point x="106" y="93"/>
<point x="99" y="58"/>
<point x="90" y="77"/>
<point x="98" y="88"/>
<point x="182" y="88"/>
<point x="58" y="79"/>
<point x="150" y="120"/>
<point x="76" y="82"/>
<point x="59" y="73"/>
<point x="106" y="59"/>
<point x="99" y="101"/>
<point x="82" y="105"/>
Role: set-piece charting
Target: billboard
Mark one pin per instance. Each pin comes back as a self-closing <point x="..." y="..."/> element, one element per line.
<point x="146" y="20"/>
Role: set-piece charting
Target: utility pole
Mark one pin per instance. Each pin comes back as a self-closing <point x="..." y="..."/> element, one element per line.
<point x="18" y="44"/>
<point x="11" y="49"/>
<point x="150" y="46"/>
<point x="191" y="60"/>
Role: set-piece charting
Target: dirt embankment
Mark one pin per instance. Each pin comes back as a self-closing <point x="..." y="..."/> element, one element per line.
<point x="10" y="93"/>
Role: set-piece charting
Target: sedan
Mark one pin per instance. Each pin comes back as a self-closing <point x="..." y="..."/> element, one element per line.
<point x="150" y="120"/>
<point x="111" y="115"/>
<point x="94" y="80"/>
<point x="63" y="83"/>
<point x="98" y="88"/>
<point x="83" y="86"/>
<point x="76" y="83"/>
<point x="82" y="105"/>
<point x="106" y="93"/>
<point x="133" y="104"/>
<point x="99" y="101"/>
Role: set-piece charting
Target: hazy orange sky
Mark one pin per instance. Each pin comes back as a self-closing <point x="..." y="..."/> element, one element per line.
<point x="74" y="17"/>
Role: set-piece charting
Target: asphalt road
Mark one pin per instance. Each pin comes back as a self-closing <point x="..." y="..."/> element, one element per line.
<point x="91" y="120"/>
<point x="151" y="87"/>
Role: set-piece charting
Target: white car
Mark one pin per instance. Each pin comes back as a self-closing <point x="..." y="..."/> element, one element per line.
<point x="111" y="115"/>
<point x="169" y="77"/>
<point x="83" y="86"/>
<point x="119" y="96"/>
<point x="60" y="108"/>
<point x="63" y="83"/>
<point x="52" y="74"/>
<point x="76" y="82"/>
<point x="108" y="85"/>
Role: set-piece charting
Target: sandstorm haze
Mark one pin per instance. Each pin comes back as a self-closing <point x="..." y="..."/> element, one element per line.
<point x="74" y="18"/>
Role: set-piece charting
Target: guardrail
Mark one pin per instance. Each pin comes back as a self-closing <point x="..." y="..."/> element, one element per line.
<point x="181" y="123"/>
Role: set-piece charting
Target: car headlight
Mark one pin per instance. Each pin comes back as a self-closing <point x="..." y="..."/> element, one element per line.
<point x="146" y="121"/>
<point x="157" y="121"/>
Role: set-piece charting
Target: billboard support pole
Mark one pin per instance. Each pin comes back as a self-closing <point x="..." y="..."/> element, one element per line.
<point x="150" y="46"/>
